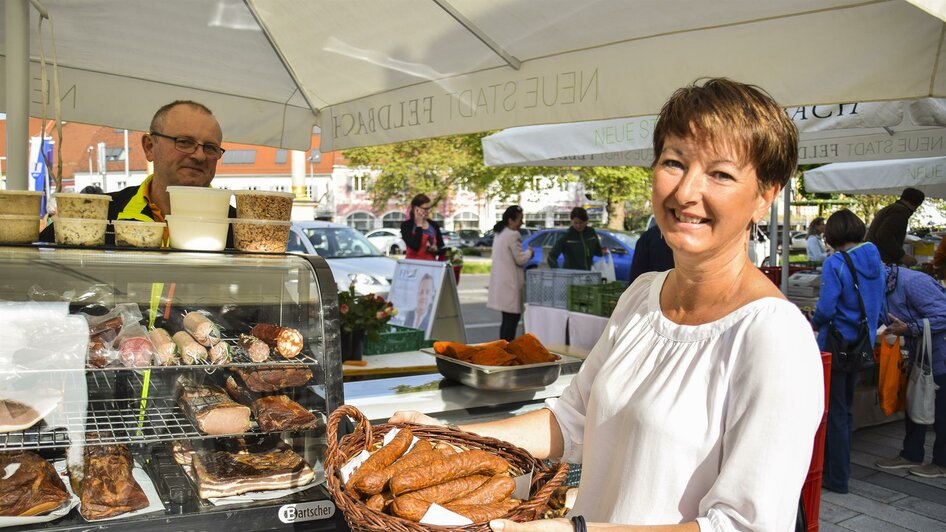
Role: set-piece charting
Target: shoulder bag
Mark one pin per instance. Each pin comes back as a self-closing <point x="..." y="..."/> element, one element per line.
<point x="858" y="355"/>
<point x="921" y="390"/>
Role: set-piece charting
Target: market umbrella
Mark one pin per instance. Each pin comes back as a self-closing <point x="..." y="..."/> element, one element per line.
<point x="371" y="72"/>
<point x="856" y="131"/>
<point x="880" y="177"/>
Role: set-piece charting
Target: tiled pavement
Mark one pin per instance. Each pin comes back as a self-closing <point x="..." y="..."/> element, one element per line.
<point x="882" y="499"/>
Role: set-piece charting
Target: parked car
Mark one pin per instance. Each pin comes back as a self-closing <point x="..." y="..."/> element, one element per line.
<point x="451" y="239"/>
<point x="621" y="246"/>
<point x="388" y="240"/>
<point x="486" y="241"/>
<point x="352" y="258"/>
<point x="468" y="237"/>
<point x="799" y="241"/>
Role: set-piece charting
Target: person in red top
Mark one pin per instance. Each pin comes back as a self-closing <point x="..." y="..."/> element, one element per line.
<point x="421" y="235"/>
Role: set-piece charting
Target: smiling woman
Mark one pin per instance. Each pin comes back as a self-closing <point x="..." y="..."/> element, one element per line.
<point x="698" y="405"/>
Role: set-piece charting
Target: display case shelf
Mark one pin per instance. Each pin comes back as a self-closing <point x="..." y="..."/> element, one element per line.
<point x="155" y="419"/>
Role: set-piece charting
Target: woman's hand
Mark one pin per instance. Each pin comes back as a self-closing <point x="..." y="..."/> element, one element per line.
<point x="413" y="416"/>
<point x="897" y="327"/>
<point x="544" y="525"/>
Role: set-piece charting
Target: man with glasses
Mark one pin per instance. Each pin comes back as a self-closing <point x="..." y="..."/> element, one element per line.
<point x="184" y="145"/>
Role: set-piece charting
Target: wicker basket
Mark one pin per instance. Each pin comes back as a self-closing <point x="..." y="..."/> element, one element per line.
<point x="362" y="518"/>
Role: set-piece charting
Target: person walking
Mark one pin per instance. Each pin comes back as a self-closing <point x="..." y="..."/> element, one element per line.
<point x="888" y="231"/>
<point x="839" y="303"/>
<point x="421" y="235"/>
<point x="814" y="244"/>
<point x="506" y="276"/>
<point x="913" y="296"/>
<point x="579" y="244"/>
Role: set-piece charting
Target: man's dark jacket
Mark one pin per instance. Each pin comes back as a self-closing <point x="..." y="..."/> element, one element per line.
<point x="578" y="248"/>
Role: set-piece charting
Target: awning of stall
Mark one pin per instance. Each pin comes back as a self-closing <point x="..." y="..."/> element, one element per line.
<point x="880" y="177"/>
<point x="372" y="72"/>
<point x="855" y="131"/>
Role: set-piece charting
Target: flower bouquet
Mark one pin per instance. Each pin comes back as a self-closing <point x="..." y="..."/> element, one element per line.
<point x="361" y="315"/>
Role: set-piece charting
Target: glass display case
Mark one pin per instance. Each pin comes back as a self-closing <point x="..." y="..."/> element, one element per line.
<point x="231" y="437"/>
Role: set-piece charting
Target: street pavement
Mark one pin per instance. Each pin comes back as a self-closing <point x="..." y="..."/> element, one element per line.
<point x="482" y="324"/>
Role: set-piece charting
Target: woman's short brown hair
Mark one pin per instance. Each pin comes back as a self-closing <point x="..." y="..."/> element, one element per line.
<point x="844" y="227"/>
<point x="722" y="111"/>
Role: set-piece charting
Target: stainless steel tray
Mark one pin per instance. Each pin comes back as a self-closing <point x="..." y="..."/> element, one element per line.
<point x="501" y="378"/>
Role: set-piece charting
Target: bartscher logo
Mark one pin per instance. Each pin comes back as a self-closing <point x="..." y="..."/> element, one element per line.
<point x="307" y="511"/>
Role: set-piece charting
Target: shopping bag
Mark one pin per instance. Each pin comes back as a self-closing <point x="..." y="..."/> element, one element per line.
<point x="605" y="266"/>
<point x="921" y="390"/>
<point x="892" y="386"/>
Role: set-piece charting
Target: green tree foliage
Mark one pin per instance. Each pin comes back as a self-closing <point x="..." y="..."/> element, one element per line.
<point x="624" y="189"/>
<point x="436" y="167"/>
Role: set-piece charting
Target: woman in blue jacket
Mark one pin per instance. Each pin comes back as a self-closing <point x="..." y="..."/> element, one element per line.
<point x="911" y="297"/>
<point x="838" y="304"/>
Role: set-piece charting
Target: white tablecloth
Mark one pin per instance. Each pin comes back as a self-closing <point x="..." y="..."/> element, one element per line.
<point x="549" y="325"/>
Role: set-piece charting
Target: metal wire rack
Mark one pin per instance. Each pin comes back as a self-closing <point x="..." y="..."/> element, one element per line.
<point x="114" y="421"/>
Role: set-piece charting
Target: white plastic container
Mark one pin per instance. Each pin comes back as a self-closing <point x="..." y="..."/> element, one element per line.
<point x="197" y="234"/>
<point x="20" y="202"/>
<point x="135" y="234"/>
<point x="200" y="202"/>
<point x="19" y="228"/>
<point x="79" y="231"/>
<point x="268" y="236"/>
<point x="89" y="206"/>
<point x="263" y="205"/>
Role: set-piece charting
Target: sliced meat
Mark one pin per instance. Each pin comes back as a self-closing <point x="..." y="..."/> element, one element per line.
<point x="222" y="474"/>
<point x="29" y="485"/>
<point x="272" y="379"/>
<point x="210" y="409"/>
<point x="108" y="488"/>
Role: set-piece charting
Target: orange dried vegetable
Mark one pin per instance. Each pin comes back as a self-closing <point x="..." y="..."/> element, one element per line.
<point x="492" y="356"/>
<point x="529" y="350"/>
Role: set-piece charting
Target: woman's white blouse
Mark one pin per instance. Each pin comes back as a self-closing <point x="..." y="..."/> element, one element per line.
<point x="713" y="422"/>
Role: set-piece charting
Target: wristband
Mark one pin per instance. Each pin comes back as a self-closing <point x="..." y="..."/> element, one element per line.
<point x="578" y="523"/>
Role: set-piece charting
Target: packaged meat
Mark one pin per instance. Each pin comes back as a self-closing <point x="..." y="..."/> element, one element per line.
<point x="206" y="332"/>
<point x="222" y="474"/>
<point x="167" y="353"/>
<point x="272" y="379"/>
<point x="134" y="346"/>
<point x="191" y="351"/>
<point x="273" y="413"/>
<point x="255" y="348"/>
<point x="285" y="340"/>
<point x="29" y="485"/>
<point x="210" y="409"/>
<point x="220" y="353"/>
<point x="107" y="487"/>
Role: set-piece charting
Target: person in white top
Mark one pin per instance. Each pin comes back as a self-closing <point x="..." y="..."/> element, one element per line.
<point x="697" y="408"/>
<point x="506" y="277"/>
<point x="814" y="244"/>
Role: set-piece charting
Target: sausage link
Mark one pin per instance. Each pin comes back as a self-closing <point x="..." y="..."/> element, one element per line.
<point x="481" y="513"/>
<point x="201" y="328"/>
<point x="376" y="502"/>
<point x="167" y="350"/>
<point x="255" y="348"/>
<point x="493" y="490"/>
<point x="383" y="457"/>
<point x="414" y="505"/>
<point x="191" y="351"/>
<point x="455" y="466"/>
<point x="375" y="481"/>
<point x="220" y="353"/>
<point x="286" y="341"/>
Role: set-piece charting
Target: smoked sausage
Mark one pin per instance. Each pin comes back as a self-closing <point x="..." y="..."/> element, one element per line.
<point x="452" y="467"/>
<point x="414" y="505"/>
<point x="493" y="490"/>
<point x="481" y="513"/>
<point x="201" y="328"/>
<point x="375" y="481"/>
<point x="286" y="341"/>
<point x="383" y="457"/>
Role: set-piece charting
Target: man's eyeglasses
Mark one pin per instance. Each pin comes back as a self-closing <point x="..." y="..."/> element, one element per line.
<point x="189" y="146"/>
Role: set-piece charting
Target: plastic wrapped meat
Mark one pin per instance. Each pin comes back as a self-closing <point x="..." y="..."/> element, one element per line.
<point x="29" y="485"/>
<point x="210" y="409"/>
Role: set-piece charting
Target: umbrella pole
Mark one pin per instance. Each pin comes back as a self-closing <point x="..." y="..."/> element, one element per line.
<point x="17" y="27"/>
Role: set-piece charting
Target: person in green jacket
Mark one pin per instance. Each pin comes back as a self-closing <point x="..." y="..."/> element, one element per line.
<point x="579" y="244"/>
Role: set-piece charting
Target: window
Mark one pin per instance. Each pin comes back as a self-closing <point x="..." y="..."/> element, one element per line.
<point x="561" y="219"/>
<point x="466" y="220"/>
<point x="393" y="219"/>
<point x="281" y="156"/>
<point x="359" y="183"/>
<point x="362" y="221"/>
<point x="121" y="185"/>
<point x="114" y="154"/>
<point x="437" y="217"/>
<point x="295" y="243"/>
<point x="239" y="157"/>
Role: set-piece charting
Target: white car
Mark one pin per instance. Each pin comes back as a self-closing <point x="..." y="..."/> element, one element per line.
<point x="388" y="240"/>
<point x="351" y="257"/>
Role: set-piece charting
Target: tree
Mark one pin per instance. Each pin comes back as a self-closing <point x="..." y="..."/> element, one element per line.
<point x="624" y="189"/>
<point x="436" y="167"/>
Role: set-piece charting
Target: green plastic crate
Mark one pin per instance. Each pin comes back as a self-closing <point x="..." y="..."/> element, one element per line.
<point x="396" y="339"/>
<point x="597" y="299"/>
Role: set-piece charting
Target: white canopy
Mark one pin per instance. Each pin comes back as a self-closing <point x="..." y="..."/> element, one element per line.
<point x="864" y="131"/>
<point x="884" y="177"/>
<point x="370" y="72"/>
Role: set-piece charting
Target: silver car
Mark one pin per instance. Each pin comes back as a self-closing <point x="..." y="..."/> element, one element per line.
<point x="352" y="258"/>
